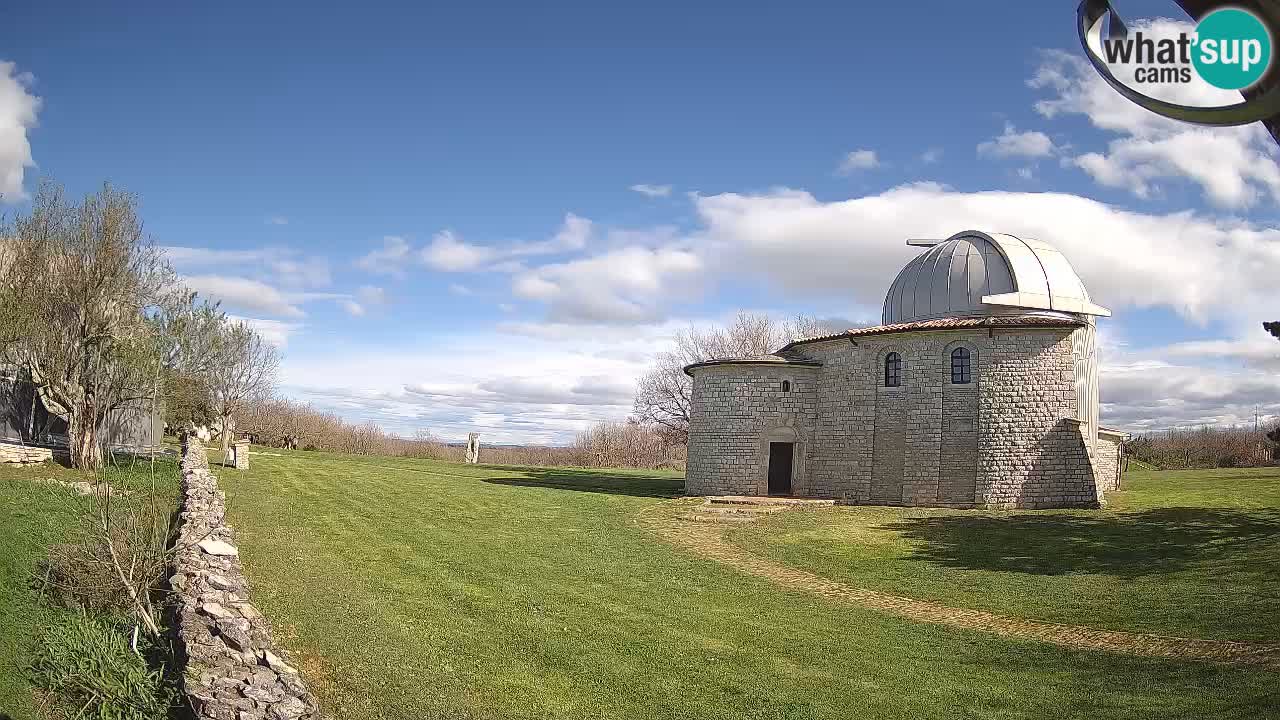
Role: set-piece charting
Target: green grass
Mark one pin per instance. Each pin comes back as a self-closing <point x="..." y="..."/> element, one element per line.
<point x="1194" y="553"/>
<point x="33" y="516"/>
<point x="416" y="589"/>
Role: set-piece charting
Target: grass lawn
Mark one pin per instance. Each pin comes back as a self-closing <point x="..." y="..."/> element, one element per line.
<point x="1193" y="553"/>
<point x="416" y="589"/>
<point x="33" y="516"/>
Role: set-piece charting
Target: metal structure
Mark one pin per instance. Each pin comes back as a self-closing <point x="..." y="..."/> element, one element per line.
<point x="977" y="274"/>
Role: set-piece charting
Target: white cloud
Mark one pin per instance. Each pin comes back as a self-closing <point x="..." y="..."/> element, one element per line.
<point x="18" y="110"/>
<point x="390" y="259"/>
<point x="448" y="253"/>
<point x="275" y="332"/>
<point x="277" y="220"/>
<point x="284" y="266"/>
<point x="371" y="295"/>
<point x="652" y="190"/>
<point x="1026" y="173"/>
<point x="627" y="285"/>
<point x="243" y="293"/>
<point x="1235" y="167"/>
<point x="351" y="307"/>
<point x="535" y="390"/>
<point x="1011" y="143"/>
<point x="1156" y="395"/>
<point x="461" y="290"/>
<point x="931" y="156"/>
<point x="1197" y="266"/>
<point x="858" y="160"/>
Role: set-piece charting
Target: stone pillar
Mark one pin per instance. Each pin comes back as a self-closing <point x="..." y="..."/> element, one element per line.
<point x="240" y="454"/>
<point x="473" y="448"/>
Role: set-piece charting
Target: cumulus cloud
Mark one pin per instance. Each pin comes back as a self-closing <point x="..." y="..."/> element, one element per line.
<point x="627" y="285"/>
<point x="1011" y="143"/>
<point x="858" y="160"/>
<point x="652" y="190"/>
<point x="243" y="293"/>
<point x="449" y="253"/>
<point x="1234" y="167"/>
<point x="1156" y="395"/>
<point x="18" y="110"/>
<point x="390" y="259"/>
<point x="1198" y="266"/>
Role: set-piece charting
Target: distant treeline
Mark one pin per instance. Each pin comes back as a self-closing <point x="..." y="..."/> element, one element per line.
<point x="280" y="422"/>
<point x="1208" y="447"/>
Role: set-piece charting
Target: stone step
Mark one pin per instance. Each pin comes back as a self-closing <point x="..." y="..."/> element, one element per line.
<point x="768" y="501"/>
<point x="716" y="519"/>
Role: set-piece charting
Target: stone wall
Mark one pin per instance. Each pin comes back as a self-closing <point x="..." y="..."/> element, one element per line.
<point x="1108" y="460"/>
<point x="234" y="670"/>
<point x="1005" y="440"/>
<point x="23" y="454"/>
<point x="735" y="412"/>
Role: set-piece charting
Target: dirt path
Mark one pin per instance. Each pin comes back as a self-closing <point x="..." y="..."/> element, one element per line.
<point x="707" y="539"/>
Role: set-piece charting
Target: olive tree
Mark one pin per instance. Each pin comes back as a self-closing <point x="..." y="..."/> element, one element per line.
<point x="77" y="287"/>
<point x="664" y="392"/>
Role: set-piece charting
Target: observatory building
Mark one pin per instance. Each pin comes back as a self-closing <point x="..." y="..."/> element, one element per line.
<point x="979" y="389"/>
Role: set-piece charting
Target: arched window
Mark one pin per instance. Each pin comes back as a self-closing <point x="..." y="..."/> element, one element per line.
<point x="961" y="366"/>
<point x="893" y="370"/>
<point x="786" y="386"/>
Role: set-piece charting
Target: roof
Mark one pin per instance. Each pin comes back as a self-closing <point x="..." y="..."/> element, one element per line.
<point x="1113" y="432"/>
<point x="771" y="359"/>
<point x="974" y="273"/>
<point x="962" y="323"/>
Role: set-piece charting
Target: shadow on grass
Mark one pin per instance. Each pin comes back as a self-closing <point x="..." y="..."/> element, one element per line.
<point x="595" y="481"/>
<point x="1127" y="544"/>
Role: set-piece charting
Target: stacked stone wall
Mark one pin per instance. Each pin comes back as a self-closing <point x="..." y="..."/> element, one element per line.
<point x="1010" y="438"/>
<point x="1107" y="459"/>
<point x="234" y="670"/>
<point x="20" y="454"/>
<point x="735" y="411"/>
<point x="1033" y="452"/>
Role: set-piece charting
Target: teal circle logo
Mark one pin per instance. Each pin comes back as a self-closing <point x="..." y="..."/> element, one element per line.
<point x="1232" y="49"/>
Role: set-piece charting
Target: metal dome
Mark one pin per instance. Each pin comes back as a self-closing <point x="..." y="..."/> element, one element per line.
<point x="974" y="274"/>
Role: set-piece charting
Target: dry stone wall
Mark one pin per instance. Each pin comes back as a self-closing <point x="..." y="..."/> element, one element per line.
<point x="234" y="670"/>
<point x="23" y="454"/>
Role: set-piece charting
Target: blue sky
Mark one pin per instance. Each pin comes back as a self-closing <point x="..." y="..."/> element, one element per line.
<point x="489" y="217"/>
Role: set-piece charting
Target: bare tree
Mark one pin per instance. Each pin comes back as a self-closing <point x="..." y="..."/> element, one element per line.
<point x="664" y="392"/>
<point x="76" y="289"/>
<point x="244" y="368"/>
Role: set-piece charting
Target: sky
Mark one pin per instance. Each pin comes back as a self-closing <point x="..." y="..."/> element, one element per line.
<point x="489" y="217"/>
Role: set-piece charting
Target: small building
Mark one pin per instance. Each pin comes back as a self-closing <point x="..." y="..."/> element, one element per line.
<point x="24" y="420"/>
<point x="979" y="389"/>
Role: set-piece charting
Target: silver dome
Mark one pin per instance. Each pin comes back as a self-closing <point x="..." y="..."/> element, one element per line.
<point x="975" y="274"/>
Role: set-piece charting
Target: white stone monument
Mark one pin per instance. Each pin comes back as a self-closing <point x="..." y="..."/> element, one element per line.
<point x="473" y="448"/>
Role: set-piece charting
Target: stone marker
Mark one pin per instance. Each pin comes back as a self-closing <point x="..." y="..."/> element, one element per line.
<point x="473" y="448"/>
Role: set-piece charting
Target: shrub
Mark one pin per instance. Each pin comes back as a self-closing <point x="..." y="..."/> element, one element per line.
<point x="87" y="663"/>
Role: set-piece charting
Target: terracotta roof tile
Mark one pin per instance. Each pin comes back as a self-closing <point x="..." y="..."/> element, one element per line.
<point x="946" y="324"/>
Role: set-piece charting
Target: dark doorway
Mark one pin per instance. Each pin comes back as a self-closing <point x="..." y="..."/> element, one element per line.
<point x="780" y="454"/>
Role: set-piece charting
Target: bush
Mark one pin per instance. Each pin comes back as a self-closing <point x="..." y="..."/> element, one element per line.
<point x="88" y="664"/>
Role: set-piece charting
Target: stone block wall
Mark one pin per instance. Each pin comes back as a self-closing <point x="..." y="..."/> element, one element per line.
<point x="1032" y="452"/>
<point x="234" y="670"/>
<point x="1008" y="439"/>
<point x="1108" y="461"/>
<point x="23" y="454"/>
<point x="736" y="411"/>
